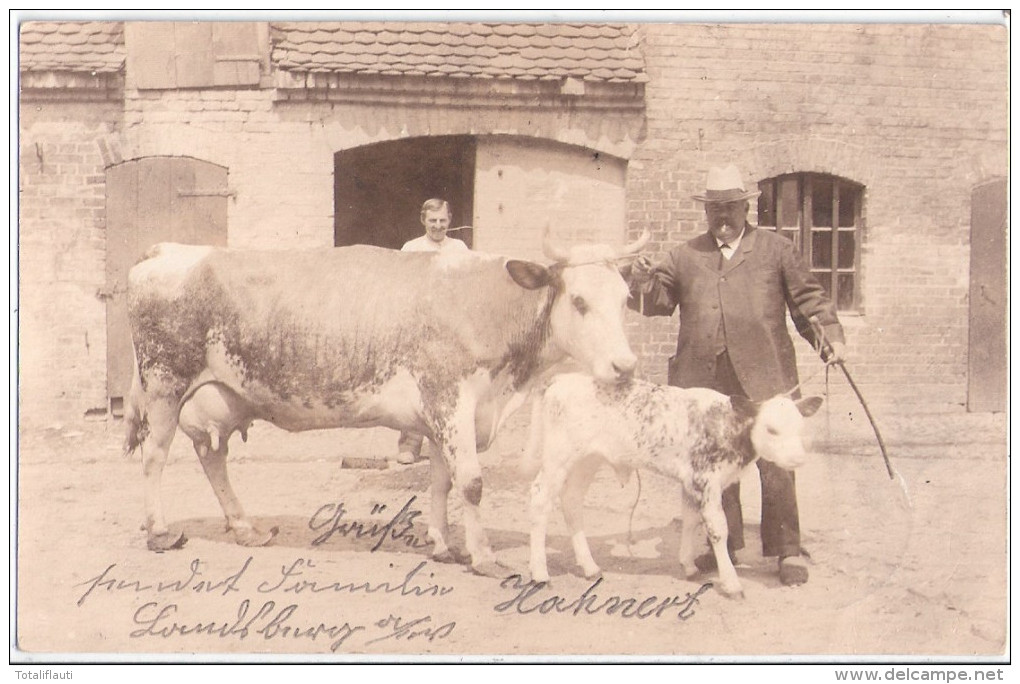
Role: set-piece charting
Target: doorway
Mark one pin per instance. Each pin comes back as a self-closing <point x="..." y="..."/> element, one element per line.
<point x="379" y="189"/>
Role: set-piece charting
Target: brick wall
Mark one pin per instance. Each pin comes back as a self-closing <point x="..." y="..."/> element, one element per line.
<point x="918" y="114"/>
<point x="62" y="255"/>
<point x="279" y="155"/>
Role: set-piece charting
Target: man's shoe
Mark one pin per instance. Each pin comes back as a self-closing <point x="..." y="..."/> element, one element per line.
<point x="406" y="458"/>
<point x="793" y="571"/>
<point x="706" y="561"/>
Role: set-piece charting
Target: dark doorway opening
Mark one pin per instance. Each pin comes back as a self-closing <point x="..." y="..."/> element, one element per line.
<point x="378" y="189"/>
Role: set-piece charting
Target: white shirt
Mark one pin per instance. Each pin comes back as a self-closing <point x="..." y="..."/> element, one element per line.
<point x="427" y="244"/>
<point x="731" y="247"/>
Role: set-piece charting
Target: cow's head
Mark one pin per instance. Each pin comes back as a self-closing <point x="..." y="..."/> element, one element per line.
<point x="589" y="298"/>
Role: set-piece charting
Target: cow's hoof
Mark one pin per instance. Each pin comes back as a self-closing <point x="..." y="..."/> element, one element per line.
<point x="489" y="569"/>
<point x="593" y="574"/>
<point x="253" y="537"/>
<point x="166" y="541"/>
<point x="445" y="557"/>
<point x="452" y="557"/>
<point x="734" y="593"/>
<point x="688" y="571"/>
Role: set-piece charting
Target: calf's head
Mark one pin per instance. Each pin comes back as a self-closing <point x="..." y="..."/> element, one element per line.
<point x="777" y="431"/>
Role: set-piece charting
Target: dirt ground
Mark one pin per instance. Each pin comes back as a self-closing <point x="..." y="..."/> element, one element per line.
<point x="914" y="573"/>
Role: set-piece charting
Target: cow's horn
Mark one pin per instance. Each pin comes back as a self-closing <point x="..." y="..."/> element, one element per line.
<point x="552" y="251"/>
<point x="637" y="245"/>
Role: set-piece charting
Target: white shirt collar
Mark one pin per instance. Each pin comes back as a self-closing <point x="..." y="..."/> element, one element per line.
<point x="732" y="244"/>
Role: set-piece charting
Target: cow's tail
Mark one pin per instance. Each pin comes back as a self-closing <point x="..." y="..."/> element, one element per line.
<point x="533" y="449"/>
<point x="134" y="422"/>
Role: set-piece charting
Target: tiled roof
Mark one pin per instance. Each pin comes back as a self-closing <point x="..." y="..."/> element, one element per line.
<point x="92" y="46"/>
<point x="589" y="52"/>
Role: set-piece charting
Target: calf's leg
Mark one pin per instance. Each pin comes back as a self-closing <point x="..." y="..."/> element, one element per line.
<point x="540" y="506"/>
<point x="577" y="484"/>
<point x="715" y="526"/>
<point x="690" y="515"/>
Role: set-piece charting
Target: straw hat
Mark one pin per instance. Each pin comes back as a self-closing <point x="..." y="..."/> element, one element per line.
<point x="725" y="185"/>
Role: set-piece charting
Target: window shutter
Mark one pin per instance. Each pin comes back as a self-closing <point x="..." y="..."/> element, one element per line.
<point x="237" y="53"/>
<point x="150" y="53"/>
<point x="193" y="54"/>
<point x="189" y="54"/>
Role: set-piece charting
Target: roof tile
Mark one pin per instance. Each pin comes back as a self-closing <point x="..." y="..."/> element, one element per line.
<point x="527" y="51"/>
<point x="75" y="46"/>
<point x="596" y="52"/>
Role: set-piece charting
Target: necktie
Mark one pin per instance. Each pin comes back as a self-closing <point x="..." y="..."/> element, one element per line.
<point x="724" y="250"/>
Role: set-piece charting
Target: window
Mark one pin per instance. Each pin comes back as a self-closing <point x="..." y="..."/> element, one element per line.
<point x="821" y="214"/>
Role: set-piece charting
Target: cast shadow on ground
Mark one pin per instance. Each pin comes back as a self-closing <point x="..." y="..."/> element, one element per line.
<point x="651" y="550"/>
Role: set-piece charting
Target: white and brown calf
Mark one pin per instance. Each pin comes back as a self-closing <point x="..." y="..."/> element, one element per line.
<point x="701" y="438"/>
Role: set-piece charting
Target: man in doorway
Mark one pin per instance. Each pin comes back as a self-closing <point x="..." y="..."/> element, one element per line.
<point x="733" y="286"/>
<point x="435" y="217"/>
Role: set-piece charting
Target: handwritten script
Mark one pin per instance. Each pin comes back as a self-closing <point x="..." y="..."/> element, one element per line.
<point x="534" y="598"/>
<point x="259" y="612"/>
<point x="281" y="604"/>
<point x="332" y="519"/>
<point x="307" y="600"/>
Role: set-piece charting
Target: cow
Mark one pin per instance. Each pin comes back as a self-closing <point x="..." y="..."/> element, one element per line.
<point x="443" y="344"/>
<point x="699" y="437"/>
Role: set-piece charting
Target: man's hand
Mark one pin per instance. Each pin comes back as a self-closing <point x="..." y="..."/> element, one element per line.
<point x="641" y="270"/>
<point x="837" y="353"/>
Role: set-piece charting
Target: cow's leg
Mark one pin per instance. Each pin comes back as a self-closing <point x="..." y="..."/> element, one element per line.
<point x="467" y="475"/>
<point x="715" y="526"/>
<point x="577" y="484"/>
<point x="439" y="529"/>
<point x="161" y="418"/>
<point x="214" y="462"/>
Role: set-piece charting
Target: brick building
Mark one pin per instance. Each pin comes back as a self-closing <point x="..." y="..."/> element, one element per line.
<point x="880" y="149"/>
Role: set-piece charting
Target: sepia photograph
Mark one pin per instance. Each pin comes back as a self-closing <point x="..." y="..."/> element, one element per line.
<point x="474" y="337"/>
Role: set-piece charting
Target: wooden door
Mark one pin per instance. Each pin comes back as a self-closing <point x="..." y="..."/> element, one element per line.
<point x="150" y="200"/>
<point x="986" y="372"/>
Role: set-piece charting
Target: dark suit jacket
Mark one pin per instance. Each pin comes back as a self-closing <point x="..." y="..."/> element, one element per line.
<point x="750" y="295"/>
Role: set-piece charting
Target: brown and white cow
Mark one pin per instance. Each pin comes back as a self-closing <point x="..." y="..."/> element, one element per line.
<point x="443" y="344"/>
<point x="698" y="437"/>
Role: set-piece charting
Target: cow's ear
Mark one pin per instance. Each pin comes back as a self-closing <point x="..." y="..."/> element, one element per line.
<point x="744" y="407"/>
<point x="528" y="274"/>
<point x="809" y="405"/>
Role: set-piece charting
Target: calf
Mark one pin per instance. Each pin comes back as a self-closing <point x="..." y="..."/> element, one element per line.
<point x="699" y="437"/>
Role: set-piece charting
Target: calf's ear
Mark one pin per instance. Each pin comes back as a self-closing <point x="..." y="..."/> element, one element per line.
<point x="744" y="407"/>
<point x="808" y="405"/>
<point x="528" y="274"/>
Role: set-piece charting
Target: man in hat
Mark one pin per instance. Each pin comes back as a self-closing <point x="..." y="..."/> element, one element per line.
<point x="733" y="286"/>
